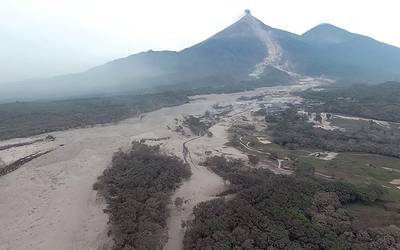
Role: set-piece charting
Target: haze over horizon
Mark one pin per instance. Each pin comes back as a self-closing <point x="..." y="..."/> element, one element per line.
<point x="197" y="125"/>
<point x="46" y="38"/>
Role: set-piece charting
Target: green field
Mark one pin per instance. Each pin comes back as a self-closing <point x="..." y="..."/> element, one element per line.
<point x="356" y="168"/>
<point x="378" y="215"/>
<point x="354" y="125"/>
<point x="348" y="124"/>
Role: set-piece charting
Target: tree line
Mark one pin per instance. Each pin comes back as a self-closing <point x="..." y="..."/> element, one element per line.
<point x="137" y="189"/>
<point x="22" y="119"/>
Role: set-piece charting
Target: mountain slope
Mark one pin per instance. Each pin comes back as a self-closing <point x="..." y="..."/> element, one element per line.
<point x="335" y="52"/>
<point x="240" y="52"/>
<point x="246" y="51"/>
<point x="327" y="33"/>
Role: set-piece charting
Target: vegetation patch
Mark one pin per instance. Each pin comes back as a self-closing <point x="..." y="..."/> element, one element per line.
<point x="137" y="188"/>
<point x="381" y="101"/>
<point x="353" y="167"/>
<point x="272" y="211"/>
<point x="22" y="119"/>
<point x="291" y="129"/>
<point x="199" y="125"/>
<point x="349" y="124"/>
<point x="377" y="215"/>
<point x="357" y="168"/>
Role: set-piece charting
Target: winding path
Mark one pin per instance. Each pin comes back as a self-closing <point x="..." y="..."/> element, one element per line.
<point x="202" y="186"/>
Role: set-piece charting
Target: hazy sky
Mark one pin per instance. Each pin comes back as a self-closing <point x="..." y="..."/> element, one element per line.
<point x="41" y="38"/>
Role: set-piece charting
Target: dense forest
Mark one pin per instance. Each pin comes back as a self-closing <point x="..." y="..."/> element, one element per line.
<point x="137" y="190"/>
<point x="269" y="211"/>
<point x="381" y="102"/>
<point x="291" y="129"/>
<point x="22" y="119"/>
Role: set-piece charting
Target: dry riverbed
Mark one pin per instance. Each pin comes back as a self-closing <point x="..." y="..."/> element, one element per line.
<point x="49" y="203"/>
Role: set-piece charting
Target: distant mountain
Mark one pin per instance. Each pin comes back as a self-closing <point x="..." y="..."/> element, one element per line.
<point x="327" y="33"/>
<point x="337" y="53"/>
<point x="239" y="52"/>
<point x="246" y="51"/>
